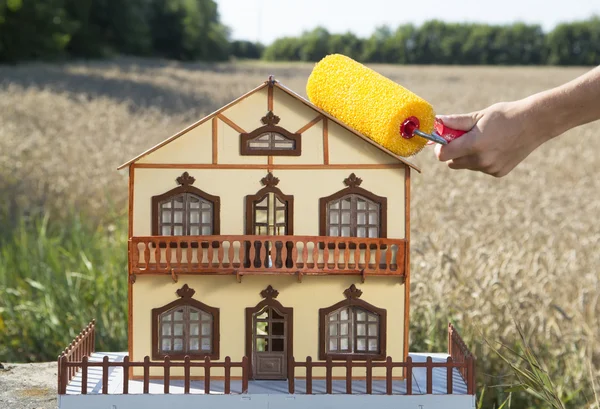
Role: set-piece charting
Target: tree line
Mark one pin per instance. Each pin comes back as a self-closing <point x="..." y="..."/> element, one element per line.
<point x="192" y="30"/>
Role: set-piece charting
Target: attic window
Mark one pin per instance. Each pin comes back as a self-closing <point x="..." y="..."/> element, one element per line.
<point x="270" y="139"/>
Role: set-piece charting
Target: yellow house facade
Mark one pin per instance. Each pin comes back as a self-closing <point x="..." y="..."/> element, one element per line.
<point x="268" y="230"/>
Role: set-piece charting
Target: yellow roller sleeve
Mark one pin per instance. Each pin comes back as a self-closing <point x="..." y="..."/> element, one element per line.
<point x="369" y="102"/>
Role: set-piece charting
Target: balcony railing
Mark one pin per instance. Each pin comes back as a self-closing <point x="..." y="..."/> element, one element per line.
<point x="246" y="254"/>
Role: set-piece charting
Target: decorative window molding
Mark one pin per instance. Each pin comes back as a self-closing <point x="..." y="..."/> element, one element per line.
<point x="352" y="328"/>
<point x="269" y="211"/>
<point x="270" y="139"/>
<point x="185" y="327"/>
<point x="186" y="211"/>
<point x="353" y="212"/>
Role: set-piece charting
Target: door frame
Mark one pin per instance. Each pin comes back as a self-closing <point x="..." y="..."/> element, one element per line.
<point x="269" y="295"/>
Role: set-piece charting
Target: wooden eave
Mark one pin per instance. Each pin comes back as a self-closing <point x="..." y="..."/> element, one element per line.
<point x="287" y="91"/>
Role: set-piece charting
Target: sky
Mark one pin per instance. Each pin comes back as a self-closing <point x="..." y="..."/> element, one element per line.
<point x="267" y="20"/>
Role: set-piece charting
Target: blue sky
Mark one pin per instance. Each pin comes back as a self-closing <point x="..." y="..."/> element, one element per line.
<point x="266" y="20"/>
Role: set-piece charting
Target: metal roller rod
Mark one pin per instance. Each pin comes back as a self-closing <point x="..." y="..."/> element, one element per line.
<point x="432" y="137"/>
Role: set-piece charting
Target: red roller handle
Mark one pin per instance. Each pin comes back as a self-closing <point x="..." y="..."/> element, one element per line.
<point x="445" y="132"/>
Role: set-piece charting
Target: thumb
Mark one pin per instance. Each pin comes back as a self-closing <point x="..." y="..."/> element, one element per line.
<point x="461" y="122"/>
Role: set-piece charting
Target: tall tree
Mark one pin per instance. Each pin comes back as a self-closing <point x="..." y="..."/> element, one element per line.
<point x="33" y="29"/>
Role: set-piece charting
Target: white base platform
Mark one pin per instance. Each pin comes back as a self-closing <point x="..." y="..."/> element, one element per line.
<point x="266" y="394"/>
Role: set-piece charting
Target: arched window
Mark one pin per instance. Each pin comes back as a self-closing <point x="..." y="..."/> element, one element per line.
<point x="353" y="328"/>
<point x="353" y="212"/>
<point x="269" y="211"/>
<point x="185" y="327"/>
<point x="270" y="139"/>
<point x="185" y="211"/>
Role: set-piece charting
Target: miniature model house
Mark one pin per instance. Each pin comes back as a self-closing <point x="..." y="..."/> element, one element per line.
<point x="268" y="267"/>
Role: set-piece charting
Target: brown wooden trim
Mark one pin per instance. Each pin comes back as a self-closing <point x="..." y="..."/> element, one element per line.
<point x="194" y="125"/>
<point x="270" y="187"/>
<point x="215" y="143"/>
<point x="357" y="190"/>
<point x="129" y="267"/>
<point x="186" y="300"/>
<point x="270" y="96"/>
<point x="246" y="137"/>
<point x="239" y="378"/>
<point x="325" y="141"/>
<point x="406" y="261"/>
<point x="343" y="125"/>
<point x="270" y="163"/>
<point x="286" y="311"/>
<point x="347" y="166"/>
<point x="186" y="188"/>
<point x="232" y="124"/>
<point x="349" y="302"/>
<point x="310" y="124"/>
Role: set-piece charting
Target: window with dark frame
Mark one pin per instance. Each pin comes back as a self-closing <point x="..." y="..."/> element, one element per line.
<point x="185" y="327"/>
<point x="352" y="327"/>
<point x="352" y="330"/>
<point x="353" y="212"/>
<point x="270" y="139"/>
<point x="185" y="330"/>
<point x="269" y="211"/>
<point x="185" y="211"/>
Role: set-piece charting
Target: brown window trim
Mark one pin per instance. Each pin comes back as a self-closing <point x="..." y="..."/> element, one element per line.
<point x="353" y="187"/>
<point x="270" y="122"/>
<point x="352" y="300"/>
<point x="270" y="182"/>
<point x="269" y="294"/>
<point x="186" y="181"/>
<point x="186" y="299"/>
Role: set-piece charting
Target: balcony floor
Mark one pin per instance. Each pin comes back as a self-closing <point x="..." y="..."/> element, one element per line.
<point x="115" y="382"/>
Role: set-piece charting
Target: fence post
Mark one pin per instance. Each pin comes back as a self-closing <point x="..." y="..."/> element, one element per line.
<point x="369" y="369"/>
<point x="84" y="375"/>
<point x="290" y="374"/>
<point x="227" y="367"/>
<point x="207" y="375"/>
<point x="449" y="373"/>
<point x="388" y="374"/>
<point x="245" y="374"/>
<point x="429" y="375"/>
<point x="63" y="375"/>
<point x="409" y="375"/>
<point x="146" y="374"/>
<point x="93" y="335"/>
<point x="348" y="375"/>
<point x="469" y="380"/>
<point x="126" y="375"/>
<point x="105" y="375"/>
<point x="308" y="375"/>
<point x="167" y="374"/>
<point x="186" y="374"/>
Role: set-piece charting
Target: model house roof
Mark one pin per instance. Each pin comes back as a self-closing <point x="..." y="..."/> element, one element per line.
<point x="289" y="92"/>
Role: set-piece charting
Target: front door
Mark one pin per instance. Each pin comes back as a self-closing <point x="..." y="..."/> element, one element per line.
<point x="270" y="330"/>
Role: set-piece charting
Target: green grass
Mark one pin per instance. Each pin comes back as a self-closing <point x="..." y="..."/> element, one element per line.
<point x="54" y="278"/>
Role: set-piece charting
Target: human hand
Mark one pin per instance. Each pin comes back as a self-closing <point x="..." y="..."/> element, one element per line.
<point x="498" y="139"/>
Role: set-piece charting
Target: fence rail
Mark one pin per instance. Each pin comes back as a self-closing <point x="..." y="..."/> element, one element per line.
<point x="388" y="364"/>
<point x="82" y="346"/>
<point x="459" y="352"/>
<point x="166" y="364"/>
<point x="263" y="254"/>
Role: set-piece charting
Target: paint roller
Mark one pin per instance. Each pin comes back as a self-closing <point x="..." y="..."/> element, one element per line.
<point x="375" y="106"/>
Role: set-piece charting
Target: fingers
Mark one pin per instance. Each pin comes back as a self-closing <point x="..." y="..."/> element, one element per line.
<point x="463" y="122"/>
<point x="462" y="146"/>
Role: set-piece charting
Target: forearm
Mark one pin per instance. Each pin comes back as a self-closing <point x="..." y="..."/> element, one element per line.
<point x="567" y="106"/>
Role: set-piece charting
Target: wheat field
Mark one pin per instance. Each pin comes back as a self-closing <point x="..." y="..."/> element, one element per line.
<point x="486" y="252"/>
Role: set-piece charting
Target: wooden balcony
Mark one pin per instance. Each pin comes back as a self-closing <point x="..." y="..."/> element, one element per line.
<point x="243" y="255"/>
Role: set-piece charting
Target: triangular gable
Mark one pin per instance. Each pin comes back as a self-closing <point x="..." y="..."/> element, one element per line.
<point x="287" y="91"/>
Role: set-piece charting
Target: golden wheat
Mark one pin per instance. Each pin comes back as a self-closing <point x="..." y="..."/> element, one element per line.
<point x="484" y="250"/>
